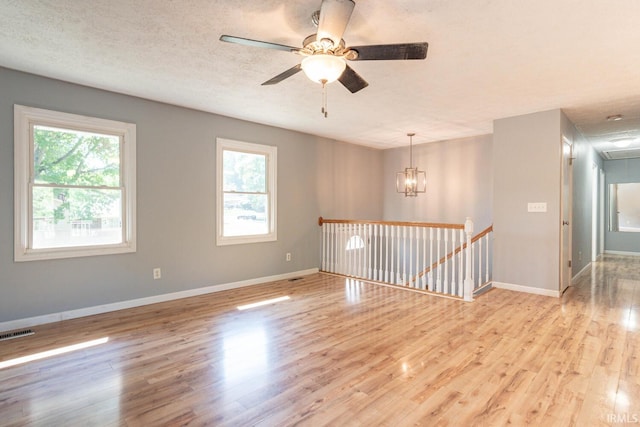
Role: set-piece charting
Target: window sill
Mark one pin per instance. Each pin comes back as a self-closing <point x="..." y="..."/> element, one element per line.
<point x="21" y="254"/>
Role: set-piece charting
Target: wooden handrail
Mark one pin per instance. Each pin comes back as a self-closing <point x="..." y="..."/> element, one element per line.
<point x="398" y="223"/>
<point x="483" y="233"/>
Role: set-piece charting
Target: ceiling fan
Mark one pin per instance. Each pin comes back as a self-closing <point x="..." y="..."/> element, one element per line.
<point x="325" y="53"/>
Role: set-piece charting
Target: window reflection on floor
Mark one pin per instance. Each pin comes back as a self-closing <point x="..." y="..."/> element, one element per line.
<point x="246" y="355"/>
<point x="352" y="291"/>
<point x="74" y="390"/>
<point x="629" y="320"/>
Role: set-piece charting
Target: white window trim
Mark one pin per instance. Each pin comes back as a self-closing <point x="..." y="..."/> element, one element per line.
<point x="272" y="172"/>
<point x="23" y="149"/>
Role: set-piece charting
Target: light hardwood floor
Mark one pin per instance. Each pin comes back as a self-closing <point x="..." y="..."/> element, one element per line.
<point x="343" y="353"/>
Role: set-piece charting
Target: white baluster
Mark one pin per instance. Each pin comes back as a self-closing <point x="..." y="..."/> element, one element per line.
<point x="332" y="243"/>
<point x="461" y="266"/>
<point x="380" y="229"/>
<point x="445" y="266"/>
<point x="390" y="252"/>
<point x="367" y="252"/>
<point x="353" y="266"/>
<point x="398" y="241"/>
<point x="357" y="253"/>
<point x="453" y="262"/>
<point x="486" y="280"/>
<point x="430" y="278"/>
<point x="326" y="230"/>
<point x="363" y="252"/>
<point x="377" y="272"/>
<point x="373" y="236"/>
<point x="343" y="252"/>
<point x="473" y="263"/>
<point x="468" y="281"/>
<point x="323" y="258"/>
<point x="334" y="248"/>
<point x="479" y="263"/>
<point x="439" y="266"/>
<point x="366" y="265"/>
<point x="338" y="252"/>
<point x="416" y="281"/>
<point x="408" y="280"/>
<point x="424" y="257"/>
<point x="403" y="278"/>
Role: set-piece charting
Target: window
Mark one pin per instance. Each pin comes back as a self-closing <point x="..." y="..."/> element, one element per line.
<point x="246" y="188"/>
<point x="355" y="242"/>
<point x="74" y="185"/>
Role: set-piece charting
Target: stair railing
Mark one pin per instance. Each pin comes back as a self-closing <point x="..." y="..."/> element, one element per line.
<point x="437" y="258"/>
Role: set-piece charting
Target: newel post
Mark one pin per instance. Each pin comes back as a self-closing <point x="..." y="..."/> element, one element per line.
<point x="468" y="281"/>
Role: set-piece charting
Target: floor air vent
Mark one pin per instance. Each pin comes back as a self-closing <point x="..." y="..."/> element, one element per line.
<point x="295" y="279"/>
<point x="16" y="334"/>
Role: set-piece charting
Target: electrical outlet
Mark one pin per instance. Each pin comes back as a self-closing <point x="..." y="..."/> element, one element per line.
<point x="157" y="274"/>
<point x="288" y="256"/>
<point x="537" y="207"/>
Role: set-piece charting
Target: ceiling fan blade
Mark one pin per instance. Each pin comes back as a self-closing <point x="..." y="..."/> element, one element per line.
<point x="258" y="43"/>
<point x="352" y="80"/>
<point x="334" y="17"/>
<point x="391" y="51"/>
<point x="280" y="77"/>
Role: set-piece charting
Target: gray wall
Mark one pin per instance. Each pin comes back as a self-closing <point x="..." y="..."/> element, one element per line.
<point x="176" y="202"/>
<point x="620" y="171"/>
<point x="348" y="182"/>
<point x="526" y="168"/>
<point x="459" y="182"/>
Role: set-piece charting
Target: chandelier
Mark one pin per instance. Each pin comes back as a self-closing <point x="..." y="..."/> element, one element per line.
<point x="411" y="181"/>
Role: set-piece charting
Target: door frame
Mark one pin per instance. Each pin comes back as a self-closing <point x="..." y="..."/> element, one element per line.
<point x="595" y="187"/>
<point x="566" y="214"/>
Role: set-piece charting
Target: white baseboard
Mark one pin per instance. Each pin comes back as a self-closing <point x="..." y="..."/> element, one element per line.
<point x="98" y="309"/>
<point x="622" y="253"/>
<point x="584" y="270"/>
<point x="527" y="289"/>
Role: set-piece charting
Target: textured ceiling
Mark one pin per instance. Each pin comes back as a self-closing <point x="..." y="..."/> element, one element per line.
<point x="487" y="59"/>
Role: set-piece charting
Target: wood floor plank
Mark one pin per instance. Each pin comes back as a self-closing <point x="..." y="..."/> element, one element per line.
<point x="343" y="352"/>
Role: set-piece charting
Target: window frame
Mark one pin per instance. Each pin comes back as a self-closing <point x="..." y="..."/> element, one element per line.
<point x="25" y="118"/>
<point x="271" y="152"/>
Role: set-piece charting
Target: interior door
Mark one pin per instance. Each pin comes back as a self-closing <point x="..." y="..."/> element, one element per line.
<point x="565" y="216"/>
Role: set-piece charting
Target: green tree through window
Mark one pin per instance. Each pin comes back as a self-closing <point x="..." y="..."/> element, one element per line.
<point x="69" y="159"/>
<point x="75" y="185"/>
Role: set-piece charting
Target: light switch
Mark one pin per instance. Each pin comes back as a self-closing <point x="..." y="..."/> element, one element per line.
<point x="537" y="207"/>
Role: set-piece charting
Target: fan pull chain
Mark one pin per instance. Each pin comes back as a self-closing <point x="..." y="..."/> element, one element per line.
<point x="324" y="109"/>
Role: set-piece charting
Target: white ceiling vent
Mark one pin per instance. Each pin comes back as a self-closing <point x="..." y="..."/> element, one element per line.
<point x="621" y="154"/>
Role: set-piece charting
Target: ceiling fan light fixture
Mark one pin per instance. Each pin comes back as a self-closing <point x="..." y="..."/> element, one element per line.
<point x="323" y="68"/>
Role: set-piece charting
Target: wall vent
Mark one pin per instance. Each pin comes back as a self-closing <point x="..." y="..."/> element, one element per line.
<point x="629" y="153"/>
<point x="16" y="334"/>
